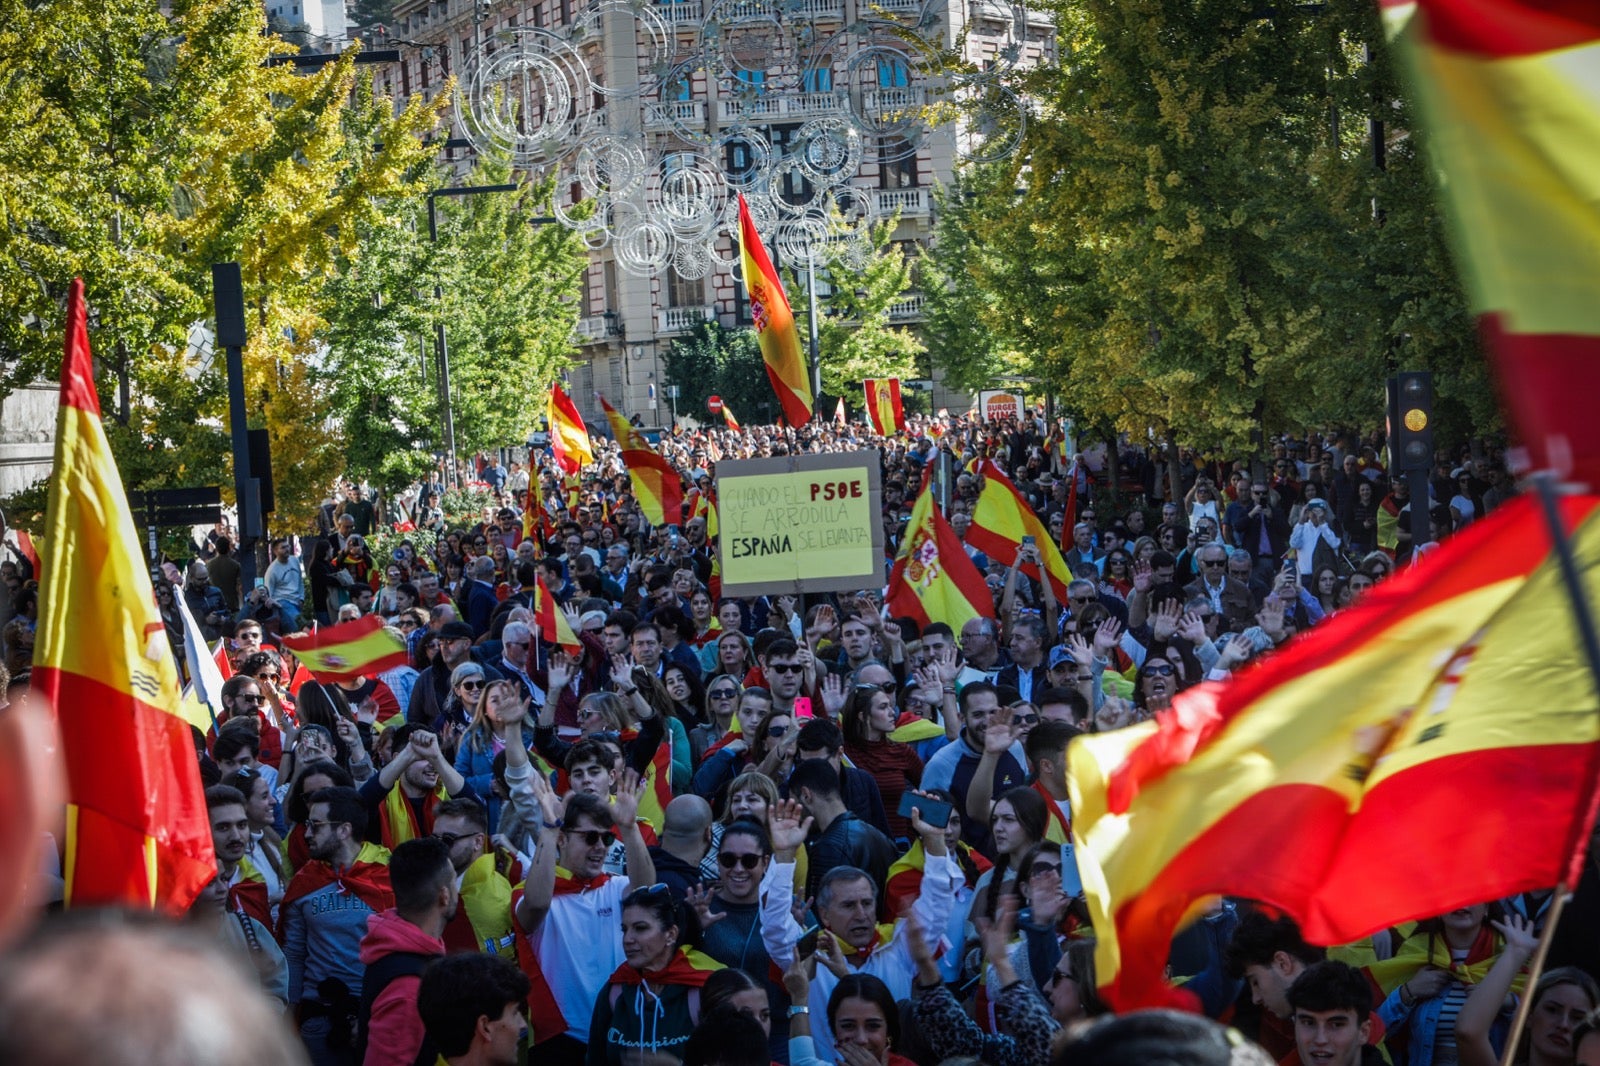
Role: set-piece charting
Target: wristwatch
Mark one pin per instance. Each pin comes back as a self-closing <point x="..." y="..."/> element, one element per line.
<point x="796" y="1011"/>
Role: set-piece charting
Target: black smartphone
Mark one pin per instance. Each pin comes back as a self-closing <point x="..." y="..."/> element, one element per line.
<point x="1027" y="540"/>
<point x="935" y="812"/>
<point x="806" y="943"/>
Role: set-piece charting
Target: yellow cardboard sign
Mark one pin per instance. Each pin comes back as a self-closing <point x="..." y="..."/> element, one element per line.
<point x="807" y="523"/>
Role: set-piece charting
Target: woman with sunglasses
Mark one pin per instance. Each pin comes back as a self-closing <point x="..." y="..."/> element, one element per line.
<point x="387" y="602"/>
<point x="869" y="718"/>
<point x="721" y="701"/>
<point x="1117" y="579"/>
<point x="467" y="683"/>
<point x="730" y="916"/>
<point x="1155" y="684"/>
<point x="650" y="1005"/>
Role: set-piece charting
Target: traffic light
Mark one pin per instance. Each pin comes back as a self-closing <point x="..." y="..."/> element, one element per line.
<point x="1411" y="420"/>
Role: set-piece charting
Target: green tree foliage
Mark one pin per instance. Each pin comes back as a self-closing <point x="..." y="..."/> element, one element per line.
<point x="1195" y="249"/>
<point x="141" y="148"/>
<point x="854" y="335"/>
<point x="717" y="360"/>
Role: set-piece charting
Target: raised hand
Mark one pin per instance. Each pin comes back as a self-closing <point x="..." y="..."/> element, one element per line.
<point x="559" y="673"/>
<point x="621" y="672"/>
<point x="833" y="695"/>
<point x="1192" y="627"/>
<point x="1107" y="635"/>
<point x="1080" y="651"/>
<point x="948" y="665"/>
<point x="1114" y="713"/>
<point x="1143" y="576"/>
<point x="349" y="734"/>
<point x="625" y="804"/>
<point x="699" y="897"/>
<point x="999" y="737"/>
<point x="551" y="807"/>
<point x="797" y="978"/>
<point x="996" y="936"/>
<point x="1164" y="622"/>
<point x="1270" y="617"/>
<point x="801" y="909"/>
<point x="1237" y="650"/>
<point x="932" y="836"/>
<point x="788" y="823"/>
<point x="1521" y="939"/>
<point x="831" y="955"/>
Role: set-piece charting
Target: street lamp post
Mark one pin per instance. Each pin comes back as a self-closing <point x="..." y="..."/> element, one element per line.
<point x="440" y="344"/>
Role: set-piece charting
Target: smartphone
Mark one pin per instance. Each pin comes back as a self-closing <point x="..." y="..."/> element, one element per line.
<point x="1027" y="540"/>
<point x="935" y="812"/>
<point x="260" y="583"/>
<point x="802" y="707"/>
<point x="806" y="943"/>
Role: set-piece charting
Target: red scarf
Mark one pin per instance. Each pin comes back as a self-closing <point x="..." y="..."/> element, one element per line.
<point x="686" y="967"/>
<point x="366" y="879"/>
<point x="250" y="897"/>
<point x="569" y="883"/>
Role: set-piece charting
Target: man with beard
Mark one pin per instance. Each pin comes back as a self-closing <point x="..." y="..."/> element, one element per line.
<point x="324" y="918"/>
<point x="230" y="838"/>
<point x="572" y="908"/>
<point x="483" y="921"/>
<point x="399" y="944"/>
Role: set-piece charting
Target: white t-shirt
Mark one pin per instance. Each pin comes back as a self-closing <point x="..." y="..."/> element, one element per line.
<point x="579" y="946"/>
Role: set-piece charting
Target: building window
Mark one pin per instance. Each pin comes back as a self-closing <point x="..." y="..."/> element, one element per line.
<point x="899" y="171"/>
<point x="684" y="292"/>
<point x="754" y="80"/>
<point x="893" y="74"/>
<point x="819" y="79"/>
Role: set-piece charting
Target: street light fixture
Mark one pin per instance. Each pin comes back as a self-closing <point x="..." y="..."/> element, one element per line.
<point x="441" y="347"/>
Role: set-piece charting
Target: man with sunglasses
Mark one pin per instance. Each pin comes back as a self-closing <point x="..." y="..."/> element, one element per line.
<point x="483" y="922"/>
<point x="572" y="909"/>
<point x="1228" y="597"/>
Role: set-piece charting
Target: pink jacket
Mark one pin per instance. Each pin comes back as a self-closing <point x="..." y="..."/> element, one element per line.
<point x="394" y="1035"/>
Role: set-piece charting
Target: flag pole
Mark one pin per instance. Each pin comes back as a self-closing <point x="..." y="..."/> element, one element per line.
<point x="1544" y="483"/>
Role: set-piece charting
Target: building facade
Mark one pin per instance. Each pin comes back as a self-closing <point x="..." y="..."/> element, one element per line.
<point x="662" y="112"/>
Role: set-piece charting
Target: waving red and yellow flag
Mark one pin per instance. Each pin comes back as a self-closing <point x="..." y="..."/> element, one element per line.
<point x="934" y="580"/>
<point x="1512" y="116"/>
<point x="553" y="625"/>
<point x="1001" y="518"/>
<point x="884" y="409"/>
<point x="775" y="327"/>
<point x="1434" y="746"/>
<point x="349" y="650"/>
<point x="137" y="829"/>
<point x="569" y="437"/>
<point x="656" y="483"/>
<point x="727" y="416"/>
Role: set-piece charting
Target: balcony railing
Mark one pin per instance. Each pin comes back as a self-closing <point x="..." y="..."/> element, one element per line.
<point x="794" y="105"/>
<point x="674" y="112"/>
<point x="911" y="203"/>
<point x="684" y="11"/>
<point x="591" y="330"/>
<point x="670" y="320"/>
<point x="907" y="310"/>
<point x="821" y="9"/>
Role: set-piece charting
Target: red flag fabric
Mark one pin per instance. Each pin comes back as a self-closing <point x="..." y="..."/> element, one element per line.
<point x="349" y="650"/>
<point x="1329" y="781"/>
<point x="569" y="437"/>
<point x="137" y="830"/>
<point x="656" y="483"/>
<point x="553" y="626"/>
<point x="934" y="580"/>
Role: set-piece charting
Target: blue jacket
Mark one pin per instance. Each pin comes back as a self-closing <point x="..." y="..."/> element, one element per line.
<point x="476" y="764"/>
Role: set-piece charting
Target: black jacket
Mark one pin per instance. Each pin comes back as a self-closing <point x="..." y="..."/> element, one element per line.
<point x="848" y="841"/>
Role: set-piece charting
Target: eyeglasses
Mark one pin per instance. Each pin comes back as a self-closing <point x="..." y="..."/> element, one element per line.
<point x="591" y="837"/>
<point x="1057" y="976"/>
<point x="867" y="686"/>
<point x="250" y="697"/>
<point x="269" y="677"/>
<point x="1160" y="670"/>
<point x="724" y="694"/>
<point x="449" y="839"/>
<point x="314" y="826"/>
<point x="655" y="891"/>
<point x="786" y="668"/>
<point x="471" y="685"/>
<point x="516" y="644"/>
<point x="777" y="731"/>
<point x="1025" y="719"/>
<point x="407" y="623"/>
<point x="728" y="860"/>
<point x="1041" y="868"/>
<point x="1214" y="564"/>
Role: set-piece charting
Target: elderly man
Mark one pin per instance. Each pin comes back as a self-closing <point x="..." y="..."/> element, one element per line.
<point x="1228" y="596"/>
<point x="516" y="661"/>
<point x="205" y="601"/>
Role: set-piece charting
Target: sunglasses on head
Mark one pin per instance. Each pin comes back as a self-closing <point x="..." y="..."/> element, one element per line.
<point x="728" y="860"/>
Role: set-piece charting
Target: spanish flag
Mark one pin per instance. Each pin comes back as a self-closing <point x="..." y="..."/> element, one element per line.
<point x="705" y="506"/>
<point x="1511" y="113"/>
<point x="137" y="832"/>
<point x="1433" y="746"/>
<point x="554" y="628"/>
<point x="884" y="409"/>
<point x="933" y="579"/>
<point x="348" y="651"/>
<point x="656" y="483"/>
<point x="532" y="510"/>
<point x="727" y="416"/>
<point x="774" y="324"/>
<point x="569" y="438"/>
<point x="1001" y="518"/>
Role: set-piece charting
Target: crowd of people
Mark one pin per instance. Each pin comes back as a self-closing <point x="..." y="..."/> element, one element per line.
<point x="743" y="831"/>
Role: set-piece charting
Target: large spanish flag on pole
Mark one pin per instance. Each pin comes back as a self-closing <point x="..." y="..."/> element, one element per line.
<point x="774" y="323"/>
<point x="884" y="409"/>
<point x="1511" y="113"/>
<point x="1001" y="518"/>
<point x="569" y="437"/>
<point x="933" y="579"/>
<point x="1434" y="746"/>
<point x="655" y="481"/>
<point x="137" y="829"/>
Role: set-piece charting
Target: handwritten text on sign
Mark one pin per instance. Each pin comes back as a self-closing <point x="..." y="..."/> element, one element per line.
<point x="804" y="529"/>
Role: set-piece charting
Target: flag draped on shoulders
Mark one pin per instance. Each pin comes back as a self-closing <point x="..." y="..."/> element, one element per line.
<point x="775" y="327"/>
<point x="137" y="832"/>
<point x="349" y="650"/>
<point x="933" y="579"/>
<point x="569" y="437"/>
<point x="656" y="483"/>
<point x="1330" y="780"/>
<point x="884" y="409"/>
<point x="1001" y="518"/>
<point x="1512" y="116"/>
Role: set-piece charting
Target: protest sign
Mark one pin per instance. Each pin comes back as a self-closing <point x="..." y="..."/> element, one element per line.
<point x="804" y="523"/>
